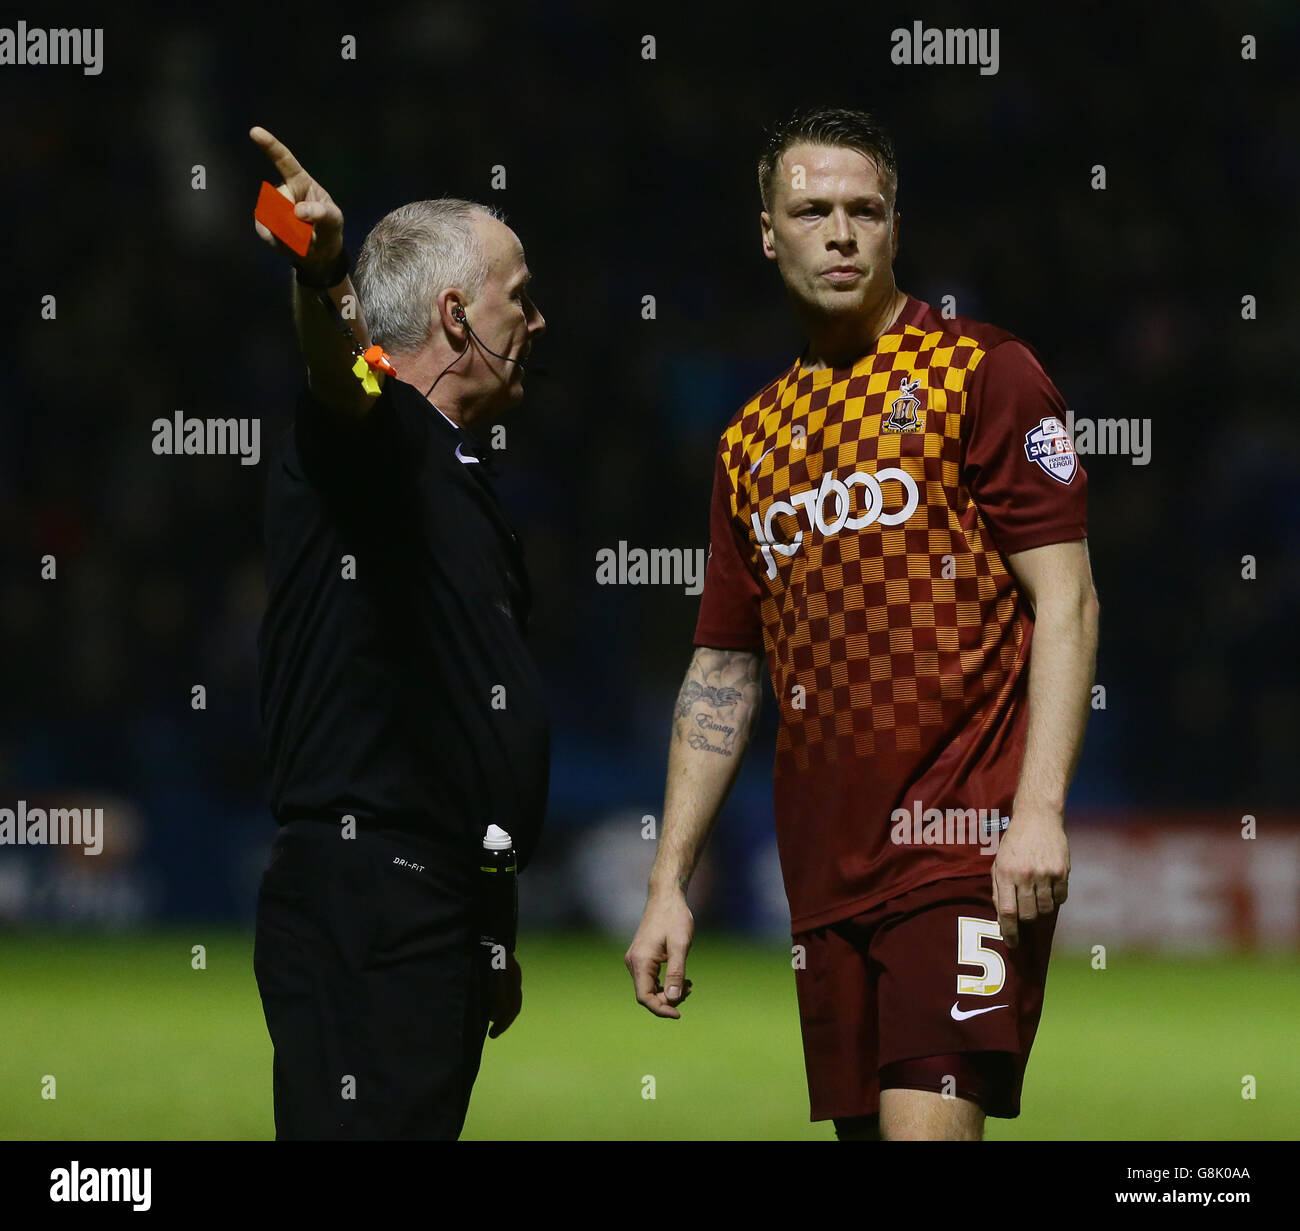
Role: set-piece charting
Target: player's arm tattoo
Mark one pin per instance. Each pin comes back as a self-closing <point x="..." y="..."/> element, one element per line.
<point x="692" y="691"/>
<point x="719" y="700"/>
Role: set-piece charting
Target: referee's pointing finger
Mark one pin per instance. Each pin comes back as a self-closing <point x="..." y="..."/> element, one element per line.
<point x="285" y="163"/>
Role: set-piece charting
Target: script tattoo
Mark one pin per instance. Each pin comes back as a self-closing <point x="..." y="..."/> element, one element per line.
<point x="718" y="701"/>
<point x="701" y="740"/>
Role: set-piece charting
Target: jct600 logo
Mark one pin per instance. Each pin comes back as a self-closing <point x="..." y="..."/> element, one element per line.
<point x="813" y="503"/>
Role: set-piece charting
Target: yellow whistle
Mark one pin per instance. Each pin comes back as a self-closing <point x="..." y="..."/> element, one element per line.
<point x="365" y="374"/>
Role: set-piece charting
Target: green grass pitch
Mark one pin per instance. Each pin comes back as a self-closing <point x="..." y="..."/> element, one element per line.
<point x="143" y="1046"/>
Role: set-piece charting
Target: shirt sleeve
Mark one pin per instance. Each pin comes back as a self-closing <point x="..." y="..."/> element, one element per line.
<point x="385" y="446"/>
<point x="1020" y="465"/>
<point x="729" y="606"/>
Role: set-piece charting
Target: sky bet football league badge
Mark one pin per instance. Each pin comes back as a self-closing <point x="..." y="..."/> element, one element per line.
<point x="1049" y="445"/>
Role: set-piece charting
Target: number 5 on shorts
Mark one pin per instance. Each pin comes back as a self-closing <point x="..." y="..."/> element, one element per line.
<point x="971" y="933"/>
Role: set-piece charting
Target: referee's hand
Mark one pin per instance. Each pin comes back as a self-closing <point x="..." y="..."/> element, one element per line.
<point x="506" y="997"/>
<point x="311" y="204"/>
<point x="665" y="935"/>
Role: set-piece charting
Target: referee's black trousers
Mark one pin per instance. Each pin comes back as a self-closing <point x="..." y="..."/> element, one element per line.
<point x="373" y="984"/>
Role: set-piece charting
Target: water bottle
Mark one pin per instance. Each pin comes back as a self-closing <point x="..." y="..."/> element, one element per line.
<point x="499" y="872"/>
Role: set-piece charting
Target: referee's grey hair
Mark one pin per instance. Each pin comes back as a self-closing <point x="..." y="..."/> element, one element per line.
<point x="408" y="259"/>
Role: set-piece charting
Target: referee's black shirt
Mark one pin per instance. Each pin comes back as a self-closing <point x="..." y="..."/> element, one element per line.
<point x="395" y="682"/>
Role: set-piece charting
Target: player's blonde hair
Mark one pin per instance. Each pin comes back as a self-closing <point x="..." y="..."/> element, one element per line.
<point x="834" y="126"/>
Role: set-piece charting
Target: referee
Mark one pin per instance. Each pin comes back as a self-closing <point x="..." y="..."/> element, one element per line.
<point x="402" y="710"/>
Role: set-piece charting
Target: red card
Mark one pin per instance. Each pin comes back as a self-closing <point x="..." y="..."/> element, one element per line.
<point x="275" y="212"/>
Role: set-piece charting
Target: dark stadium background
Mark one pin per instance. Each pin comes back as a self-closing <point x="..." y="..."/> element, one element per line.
<point x="629" y="178"/>
<point x="626" y="178"/>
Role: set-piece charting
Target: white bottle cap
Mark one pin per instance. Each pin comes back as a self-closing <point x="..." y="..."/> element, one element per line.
<point x="496" y="839"/>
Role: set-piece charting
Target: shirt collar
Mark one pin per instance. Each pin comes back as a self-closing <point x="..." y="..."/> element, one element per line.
<point x="451" y="421"/>
<point x="908" y="314"/>
<point x="468" y="450"/>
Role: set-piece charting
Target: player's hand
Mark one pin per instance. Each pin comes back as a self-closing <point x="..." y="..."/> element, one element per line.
<point x="506" y="997"/>
<point x="1031" y="872"/>
<point x="311" y="204"/>
<point x="665" y="935"/>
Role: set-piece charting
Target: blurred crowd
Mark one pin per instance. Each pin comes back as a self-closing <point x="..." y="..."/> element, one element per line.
<point x="628" y="177"/>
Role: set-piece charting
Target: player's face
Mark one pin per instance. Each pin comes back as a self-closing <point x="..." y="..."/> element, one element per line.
<point x="502" y="314"/>
<point x="832" y="230"/>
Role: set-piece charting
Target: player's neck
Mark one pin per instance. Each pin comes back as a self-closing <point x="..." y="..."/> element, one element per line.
<point x="839" y="342"/>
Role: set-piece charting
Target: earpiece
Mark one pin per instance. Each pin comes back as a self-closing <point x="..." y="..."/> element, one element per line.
<point x="458" y="315"/>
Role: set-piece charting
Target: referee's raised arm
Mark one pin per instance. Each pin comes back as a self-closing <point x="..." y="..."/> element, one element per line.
<point x="325" y="350"/>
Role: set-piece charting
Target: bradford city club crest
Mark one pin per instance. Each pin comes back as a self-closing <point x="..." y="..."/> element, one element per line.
<point x="903" y="416"/>
<point x="1049" y="445"/>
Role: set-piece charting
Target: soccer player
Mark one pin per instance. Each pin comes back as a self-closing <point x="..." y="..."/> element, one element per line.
<point x="898" y="523"/>
<point x="395" y="627"/>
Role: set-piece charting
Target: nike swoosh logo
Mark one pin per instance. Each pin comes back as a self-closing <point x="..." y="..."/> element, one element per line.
<point x="464" y="458"/>
<point x="959" y="1016"/>
<point x="758" y="463"/>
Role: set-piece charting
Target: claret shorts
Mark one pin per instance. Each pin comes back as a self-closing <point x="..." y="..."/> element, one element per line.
<point x="925" y="974"/>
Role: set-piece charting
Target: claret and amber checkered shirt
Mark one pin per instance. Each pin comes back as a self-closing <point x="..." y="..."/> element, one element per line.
<point x="861" y="521"/>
